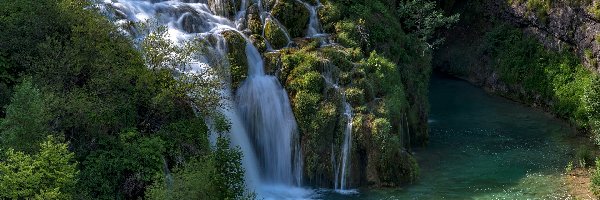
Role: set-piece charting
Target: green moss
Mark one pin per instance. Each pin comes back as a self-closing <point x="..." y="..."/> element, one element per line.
<point x="329" y="14"/>
<point x="539" y="7"/>
<point x="310" y="81"/>
<point x="589" y="56"/>
<point x="293" y="15"/>
<point x="238" y="62"/>
<point x="259" y="42"/>
<point x="341" y="58"/>
<point x="594" y="9"/>
<point x="347" y="34"/>
<point x="355" y="96"/>
<point x="381" y="128"/>
<point x="275" y="35"/>
<point x="254" y="24"/>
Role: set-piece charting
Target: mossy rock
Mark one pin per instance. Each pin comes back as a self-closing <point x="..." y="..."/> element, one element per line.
<point x="293" y="15"/>
<point x="259" y="43"/>
<point x="304" y="105"/>
<point x="254" y="23"/>
<point x="325" y="119"/>
<point x="345" y="78"/>
<point x="275" y="34"/>
<point x="272" y="62"/>
<point x="397" y="167"/>
<point x="236" y="45"/>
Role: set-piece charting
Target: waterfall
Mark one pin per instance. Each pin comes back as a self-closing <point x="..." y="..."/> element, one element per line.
<point x="346" y="147"/>
<point x="341" y="169"/>
<point x="265" y="17"/>
<point x="314" y="27"/>
<point x="264" y="106"/>
<point x="262" y="121"/>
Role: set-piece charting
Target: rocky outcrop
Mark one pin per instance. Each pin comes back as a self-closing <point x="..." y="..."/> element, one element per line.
<point x="562" y="24"/>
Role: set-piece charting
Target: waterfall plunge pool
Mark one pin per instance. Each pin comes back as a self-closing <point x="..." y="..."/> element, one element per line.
<point x="484" y="147"/>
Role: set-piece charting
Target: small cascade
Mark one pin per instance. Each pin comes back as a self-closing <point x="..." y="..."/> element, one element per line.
<point x="314" y="27"/>
<point x="265" y="17"/>
<point x="341" y="164"/>
<point x="262" y="121"/>
<point x="346" y="147"/>
<point x="167" y="172"/>
<point x="219" y="7"/>
<point x="240" y="16"/>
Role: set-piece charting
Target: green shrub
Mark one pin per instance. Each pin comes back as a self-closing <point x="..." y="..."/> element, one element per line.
<point x="27" y="120"/>
<point x="50" y="173"/>
<point x="219" y="175"/>
<point x="594" y="9"/>
<point x="595" y="186"/>
<point x="584" y="156"/>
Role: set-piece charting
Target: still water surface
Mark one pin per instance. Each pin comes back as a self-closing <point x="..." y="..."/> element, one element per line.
<point x="484" y="147"/>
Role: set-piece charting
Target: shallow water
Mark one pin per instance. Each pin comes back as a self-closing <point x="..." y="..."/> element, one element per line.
<point x="484" y="147"/>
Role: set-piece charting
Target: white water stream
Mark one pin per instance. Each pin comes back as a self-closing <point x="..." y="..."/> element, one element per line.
<point x="263" y="124"/>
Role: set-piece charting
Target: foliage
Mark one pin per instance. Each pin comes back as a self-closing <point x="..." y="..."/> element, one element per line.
<point x="27" y="120"/>
<point x="200" y="84"/>
<point x="218" y="175"/>
<point x="584" y="156"/>
<point x="539" y="7"/>
<point x="595" y="186"/>
<point x="557" y="79"/>
<point x="594" y="8"/>
<point x="569" y="168"/>
<point x="50" y="173"/>
<point x="422" y="18"/>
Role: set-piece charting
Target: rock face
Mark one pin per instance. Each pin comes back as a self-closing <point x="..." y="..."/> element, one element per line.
<point x="560" y="25"/>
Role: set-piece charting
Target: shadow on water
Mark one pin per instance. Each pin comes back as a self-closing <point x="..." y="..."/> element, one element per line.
<point x="485" y="147"/>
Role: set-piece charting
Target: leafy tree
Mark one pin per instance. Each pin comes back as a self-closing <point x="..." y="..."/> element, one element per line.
<point x="200" y="83"/>
<point x="122" y="167"/>
<point x="48" y="174"/>
<point x="218" y="175"/>
<point x="423" y="18"/>
<point x="27" y="119"/>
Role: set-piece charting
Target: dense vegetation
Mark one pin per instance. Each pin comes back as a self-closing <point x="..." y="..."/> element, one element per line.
<point x="86" y="113"/>
<point x="72" y="83"/>
<point x="382" y="70"/>
<point x="514" y="64"/>
<point x="517" y="66"/>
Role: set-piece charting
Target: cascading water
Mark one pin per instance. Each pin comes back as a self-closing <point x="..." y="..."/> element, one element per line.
<point x="346" y="147"/>
<point x="263" y="124"/>
<point x="341" y="168"/>
<point x="265" y="18"/>
<point x="264" y="106"/>
<point x="314" y="27"/>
